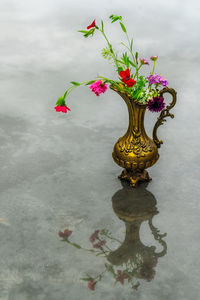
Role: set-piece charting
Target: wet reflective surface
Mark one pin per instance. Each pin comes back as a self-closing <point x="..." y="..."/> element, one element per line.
<point x="57" y="172"/>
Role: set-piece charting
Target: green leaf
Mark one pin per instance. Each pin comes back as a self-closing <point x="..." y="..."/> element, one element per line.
<point x="75" y="83"/>
<point x="61" y="101"/>
<point x="123" y="27"/>
<point x="131" y="45"/>
<point x="132" y="64"/>
<point x="115" y="18"/>
<point x="102" y="26"/>
<point x="87" y="33"/>
<point x="82" y="31"/>
<point x="119" y="69"/>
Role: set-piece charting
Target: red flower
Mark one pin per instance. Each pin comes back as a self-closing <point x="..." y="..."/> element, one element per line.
<point x="62" y="108"/>
<point x="65" y="234"/>
<point x="91" y="285"/>
<point x="91" y="25"/>
<point x="125" y="75"/>
<point x="121" y="276"/>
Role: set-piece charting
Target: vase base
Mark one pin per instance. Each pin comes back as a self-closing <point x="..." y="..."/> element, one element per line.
<point x="133" y="177"/>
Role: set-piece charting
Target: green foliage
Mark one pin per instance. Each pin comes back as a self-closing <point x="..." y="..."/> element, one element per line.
<point x="139" y="87"/>
<point x="131" y="47"/>
<point x="115" y="18"/>
<point x="61" y="101"/>
<point x="75" y="83"/>
<point x="107" y="53"/>
<point x="119" y="69"/>
<point x="123" y="27"/>
<point x="125" y="59"/>
<point x="132" y="64"/>
<point x="87" y="32"/>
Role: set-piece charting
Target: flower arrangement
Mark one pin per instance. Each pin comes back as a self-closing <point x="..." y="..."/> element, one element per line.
<point x="140" y="265"/>
<point x="144" y="89"/>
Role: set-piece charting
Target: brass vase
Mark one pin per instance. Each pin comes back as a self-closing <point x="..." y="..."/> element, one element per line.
<point x="135" y="151"/>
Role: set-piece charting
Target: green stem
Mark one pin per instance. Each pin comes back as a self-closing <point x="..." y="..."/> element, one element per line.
<point x="136" y="74"/>
<point x="129" y="48"/>
<point x="154" y="64"/>
<point x="112" y="238"/>
<point x="111" y="49"/>
<point x="85" y="249"/>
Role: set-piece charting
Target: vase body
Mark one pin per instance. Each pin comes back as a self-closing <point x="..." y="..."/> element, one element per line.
<point x="135" y="151"/>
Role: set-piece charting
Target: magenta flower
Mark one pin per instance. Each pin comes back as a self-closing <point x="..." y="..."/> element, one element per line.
<point x="65" y="234"/>
<point x="94" y="236"/>
<point x="156" y="104"/>
<point x="144" y="61"/>
<point x="98" y="87"/>
<point x="154" y="58"/>
<point x="121" y="276"/>
<point x="155" y="78"/>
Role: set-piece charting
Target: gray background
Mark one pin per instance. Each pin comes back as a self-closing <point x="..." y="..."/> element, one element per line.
<point x="57" y="171"/>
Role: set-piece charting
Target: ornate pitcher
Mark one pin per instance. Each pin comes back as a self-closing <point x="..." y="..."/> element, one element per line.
<point x="135" y="151"/>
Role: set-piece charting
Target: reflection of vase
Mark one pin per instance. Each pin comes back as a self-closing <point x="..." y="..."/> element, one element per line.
<point x="135" y="151"/>
<point x="134" y="207"/>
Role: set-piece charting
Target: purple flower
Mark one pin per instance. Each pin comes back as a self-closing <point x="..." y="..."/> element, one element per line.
<point x="121" y="276"/>
<point x="156" y="104"/>
<point x="144" y="61"/>
<point x="155" y="78"/>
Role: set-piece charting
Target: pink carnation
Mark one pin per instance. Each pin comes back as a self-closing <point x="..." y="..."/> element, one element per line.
<point x="98" y="87"/>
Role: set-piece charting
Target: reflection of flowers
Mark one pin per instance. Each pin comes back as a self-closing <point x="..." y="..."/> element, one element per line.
<point x="94" y="236"/>
<point x="65" y="234"/>
<point x="91" y="285"/>
<point x="99" y="244"/>
<point x="121" y="276"/>
<point x="147" y="272"/>
<point x="140" y="265"/>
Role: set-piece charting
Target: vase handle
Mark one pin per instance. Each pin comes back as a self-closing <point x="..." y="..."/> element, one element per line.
<point x="164" y="113"/>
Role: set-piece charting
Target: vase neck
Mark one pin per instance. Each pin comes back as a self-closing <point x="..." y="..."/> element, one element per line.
<point x="136" y="116"/>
